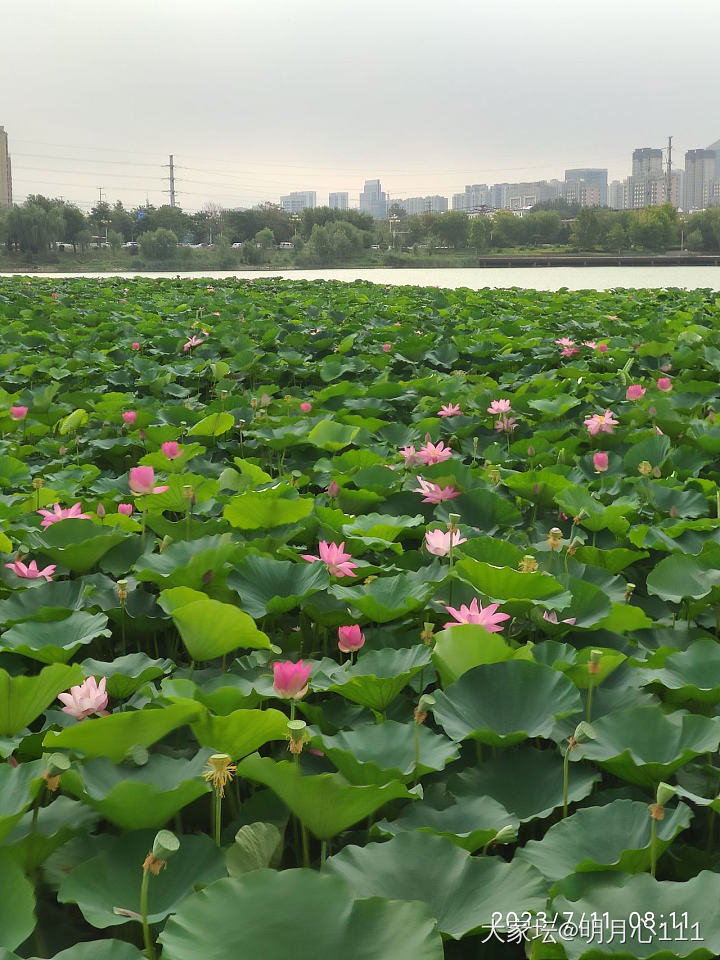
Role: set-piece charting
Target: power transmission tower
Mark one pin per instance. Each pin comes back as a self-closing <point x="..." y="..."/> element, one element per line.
<point x="101" y="191"/>
<point x="668" y="172"/>
<point x="171" y="178"/>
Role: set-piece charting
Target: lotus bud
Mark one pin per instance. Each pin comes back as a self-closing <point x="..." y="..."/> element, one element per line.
<point x="298" y="734"/>
<point x="629" y="590"/>
<point x="100" y="511"/>
<point x="555" y="538"/>
<point x="528" y="564"/>
<point x="37" y="483"/>
<point x="594" y="661"/>
<point x="531" y="451"/>
<point x="507" y="834"/>
<point x="426" y="634"/>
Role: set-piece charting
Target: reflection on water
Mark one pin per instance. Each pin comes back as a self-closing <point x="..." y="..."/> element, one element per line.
<point x="536" y="278"/>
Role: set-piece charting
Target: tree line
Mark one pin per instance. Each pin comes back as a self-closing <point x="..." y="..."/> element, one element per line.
<point x="40" y="228"/>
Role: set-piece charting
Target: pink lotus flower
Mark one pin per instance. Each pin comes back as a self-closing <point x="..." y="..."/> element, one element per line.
<point x="31" y="572"/>
<point x="135" y="345"/>
<point x="125" y="509"/>
<point x="499" y="406"/>
<point x="438" y="541"/>
<point x="410" y="456"/>
<point x="142" y="480"/>
<point x="450" y="410"/>
<point x="600" y="462"/>
<point x="171" y="449"/>
<point x="192" y="342"/>
<point x="635" y="392"/>
<point x="334" y="556"/>
<point x="552" y="617"/>
<point x="84" y="700"/>
<point x="434" y="453"/>
<point x="505" y="424"/>
<point x="387" y="347"/>
<point x="601" y="423"/>
<point x="305" y="406"/>
<point x="665" y="384"/>
<point x="434" y="493"/>
<point x="129" y="417"/>
<point x="486" y="616"/>
<point x="57" y="513"/>
<point x="290" y="680"/>
<point x="568" y="347"/>
<point x="602" y="348"/>
<point x="18" y="413"/>
<point x="590" y="343"/>
<point x="350" y="638"/>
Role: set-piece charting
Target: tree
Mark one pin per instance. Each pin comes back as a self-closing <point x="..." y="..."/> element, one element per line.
<point x="453" y="228"/>
<point x="544" y="226"/>
<point x="346" y="241"/>
<point x="75" y="224"/>
<point x="506" y="230"/>
<point x="616" y="239"/>
<point x="586" y="232"/>
<point x="320" y="246"/>
<point x="115" y="239"/>
<point x="479" y="233"/>
<point x="266" y="238"/>
<point x="158" y="245"/>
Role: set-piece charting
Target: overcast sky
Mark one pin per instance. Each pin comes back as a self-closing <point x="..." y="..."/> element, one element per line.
<point x="259" y="97"/>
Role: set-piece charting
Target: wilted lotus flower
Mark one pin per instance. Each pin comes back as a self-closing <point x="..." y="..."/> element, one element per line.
<point x="350" y="638"/>
<point x="142" y="480"/>
<point x="84" y="700"/>
<point x="290" y="680"/>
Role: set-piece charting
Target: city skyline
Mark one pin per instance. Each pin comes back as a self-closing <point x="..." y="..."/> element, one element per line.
<point x="283" y="92"/>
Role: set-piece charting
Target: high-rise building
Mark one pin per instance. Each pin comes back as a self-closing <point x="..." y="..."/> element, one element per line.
<point x="339" y="201"/>
<point x="700" y="174"/>
<point x="373" y="200"/>
<point x="299" y="200"/>
<point x="5" y="171"/>
<point x="647" y="162"/>
<point x="584" y="177"/>
<point x="616" y="195"/>
<point x="476" y="197"/>
<point x="414" y="206"/>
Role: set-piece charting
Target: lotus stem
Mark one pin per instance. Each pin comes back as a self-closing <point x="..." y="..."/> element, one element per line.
<point x="217" y="815"/>
<point x="588" y="711"/>
<point x="653" y="852"/>
<point x="305" y="845"/>
<point x="417" y="751"/>
<point x="149" y="948"/>
<point x="323" y="853"/>
<point x="566" y="777"/>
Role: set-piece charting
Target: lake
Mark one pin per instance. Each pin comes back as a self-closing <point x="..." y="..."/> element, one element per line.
<point x="535" y="278"/>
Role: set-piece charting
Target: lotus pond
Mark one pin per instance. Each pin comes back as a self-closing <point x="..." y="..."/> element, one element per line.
<point x="363" y="621"/>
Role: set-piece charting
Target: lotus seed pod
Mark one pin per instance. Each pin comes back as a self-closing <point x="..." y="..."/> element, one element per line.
<point x="57" y="764"/>
<point x="507" y="834"/>
<point x="165" y="844"/>
<point x="664" y="793"/>
<point x="583" y="733"/>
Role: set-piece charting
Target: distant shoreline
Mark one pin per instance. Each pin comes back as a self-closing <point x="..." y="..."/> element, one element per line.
<point x="490" y="261"/>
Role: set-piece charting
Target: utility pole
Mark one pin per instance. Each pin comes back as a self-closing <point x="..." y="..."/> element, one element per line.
<point x="171" y="178"/>
<point x="668" y="172"/>
<point x="101" y="191"/>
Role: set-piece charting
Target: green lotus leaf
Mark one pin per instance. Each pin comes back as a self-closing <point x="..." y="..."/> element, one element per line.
<point x="379" y="753"/>
<point x="301" y="914"/>
<point x="18" y="788"/>
<point x="209" y="628"/>
<point x="377" y="677"/>
<point x="55" y="642"/>
<point x="692" y="674"/>
<point x="114" y="735"/>
<point x="32" y="839"/>
<point x="504" y="703"/>
<point x="578" y="672"/>
<point x="266" y="585"/>
<point x="624" y="618"/>
<point x="326" y="803"/>
<point x="471" y="891"/>
<point x="388" y="598"/>
<point x="76" y="544"/>
<point x="22" y="699"/>
<point x="331" y="435"/>
<point x="615" y="836"/>
<point x="48" y="601"/>
<point x="477" y="507"/>
<point x="460" y="648"/>
<point x="265" y="510"/>
<point x="643" y="745"/>
<point x="503" y="583"/>
<point x="685" y="916"/>
<point x="381" y="527"/>
<point x="99" y="950"/>
<point x="679" y="577"/>
<point x="17" y="903"/>
<point x="186" y="564"/>
<point x="138" y="797"/>
<point x="498" y="777"/>
<point x="125" y="675"/>
<point x="614" y="560"/>
<point x="654" y="449"/>
<point x="470" y="822"/>
<point x="241" y="732"/>
<point x="257" y="845"/>
<point x="578" y="501"/>
<point x="13" y="473"/>
<point x="106" y="886"/>
<point x="213" y="425"/>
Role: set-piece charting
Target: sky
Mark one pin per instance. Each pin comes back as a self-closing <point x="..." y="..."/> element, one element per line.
<point x="255" y="98"/>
